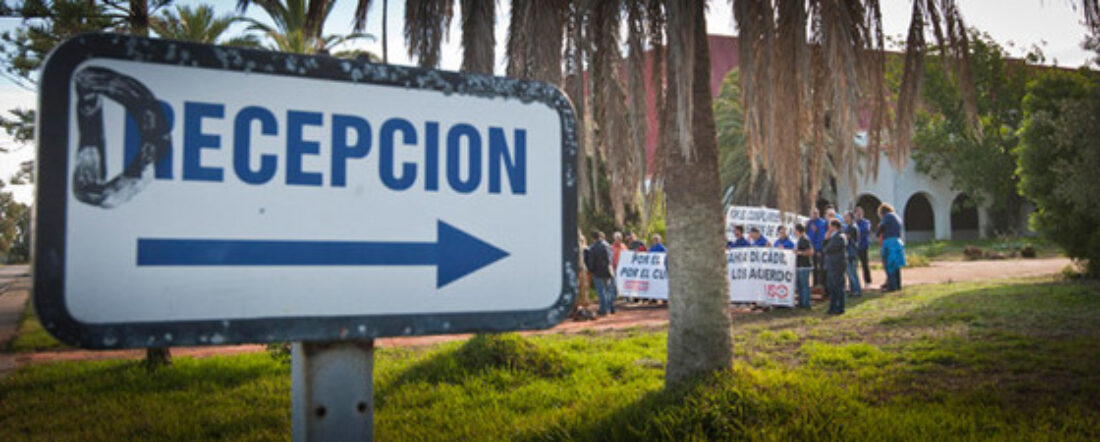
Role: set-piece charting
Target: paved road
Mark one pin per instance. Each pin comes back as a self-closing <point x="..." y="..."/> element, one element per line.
<point x="14" y="289"/>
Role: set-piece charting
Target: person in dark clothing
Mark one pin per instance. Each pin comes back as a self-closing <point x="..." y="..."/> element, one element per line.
<point x="852" y="232"/>
<point x="864" y="243"/>
<point x="598" y="261"/>
<point x="804" y="252"/>
<point x="634" y="244"/>
<point x="835" y="249"/>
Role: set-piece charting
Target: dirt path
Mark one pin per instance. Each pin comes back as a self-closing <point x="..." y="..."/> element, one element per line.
<point x="629" y="315"/>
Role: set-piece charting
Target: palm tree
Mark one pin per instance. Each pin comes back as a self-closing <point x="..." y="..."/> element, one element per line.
<point x="610" y="108"/>
<point x="797" y="86"/>
<point x="699" y="325"/>
<point x="201" y="25"/>
<point x="298" y="25"/>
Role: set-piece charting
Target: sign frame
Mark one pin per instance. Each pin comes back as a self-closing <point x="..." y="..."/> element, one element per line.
<point x="53" y="184"/>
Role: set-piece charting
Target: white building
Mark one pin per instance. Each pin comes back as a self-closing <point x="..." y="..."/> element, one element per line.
<point x="930" y="208"/>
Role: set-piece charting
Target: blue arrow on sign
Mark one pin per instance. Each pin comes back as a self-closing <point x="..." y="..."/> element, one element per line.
<point x="455" y="253"/>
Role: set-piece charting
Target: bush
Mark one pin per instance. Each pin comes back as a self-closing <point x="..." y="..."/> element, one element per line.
<point x="1028" y="251"/>
<point x="1058" y="155"/>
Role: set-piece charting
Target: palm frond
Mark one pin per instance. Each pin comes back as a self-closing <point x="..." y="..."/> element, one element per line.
<point x="426" y="25"/>
<point x="478" y="39"/>
<point x="516" y="49"/>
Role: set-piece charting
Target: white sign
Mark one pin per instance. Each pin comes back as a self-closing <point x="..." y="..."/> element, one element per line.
<point x="206" y="185"/>
<point x="642" y="275"/>
<point x="763" y="218"/>
<point x="761" y="275"/>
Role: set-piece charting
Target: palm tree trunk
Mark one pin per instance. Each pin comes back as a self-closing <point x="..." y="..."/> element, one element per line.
<point x="139" y="17"/>
<point x="699" y="323"/>
<point x="635" y="65"/>
<point x="574" y="86"/>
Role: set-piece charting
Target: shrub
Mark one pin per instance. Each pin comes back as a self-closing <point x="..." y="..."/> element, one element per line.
<point x="1058" y="156"/>
<point x="973" y="253"/>
<point x="1028" y="251"/>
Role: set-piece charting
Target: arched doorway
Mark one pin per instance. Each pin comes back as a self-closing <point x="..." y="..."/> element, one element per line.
<point x="964" y="218"/>
<point x="920" y="224"/>
<point x="869" y="203"/>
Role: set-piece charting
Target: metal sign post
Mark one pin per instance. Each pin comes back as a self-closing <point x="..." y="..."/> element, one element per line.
<point x="332" y="394"/>
<point x="191" y="194"/>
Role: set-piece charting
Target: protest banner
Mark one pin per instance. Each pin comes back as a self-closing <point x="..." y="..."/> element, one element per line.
<point x="763" y="218"/>
<point x="761" y="275"/>
<point x="642" y="275"/>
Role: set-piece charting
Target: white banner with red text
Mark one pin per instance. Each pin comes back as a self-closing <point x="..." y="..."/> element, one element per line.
<point x="758" y="275"/>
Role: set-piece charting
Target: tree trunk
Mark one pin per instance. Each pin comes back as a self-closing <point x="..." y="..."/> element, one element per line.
<point x="139" y="17"/>
<point x="699" y="323"/>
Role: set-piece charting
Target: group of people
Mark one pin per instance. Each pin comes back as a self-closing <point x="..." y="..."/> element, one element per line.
<point x="602" y="260"/>
<point x="833" y="250"/>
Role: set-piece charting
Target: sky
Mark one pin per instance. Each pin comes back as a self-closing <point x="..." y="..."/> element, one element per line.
<point x="1054" y="26"/>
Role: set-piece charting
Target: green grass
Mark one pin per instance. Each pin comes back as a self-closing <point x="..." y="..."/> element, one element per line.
<point x="998" y="360"/>
<point x="31" y="337"/>
<point x="921" y="254"/>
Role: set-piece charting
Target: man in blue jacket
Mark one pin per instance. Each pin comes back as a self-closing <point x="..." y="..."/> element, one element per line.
<point x="739" y="238"/>
<point x="758" y="239"/>
<point x="784" y="241"/>
<point x="815" y="230"/>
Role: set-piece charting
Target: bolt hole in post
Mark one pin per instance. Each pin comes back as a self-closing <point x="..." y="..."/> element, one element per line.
<point x="321" y="411"/>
